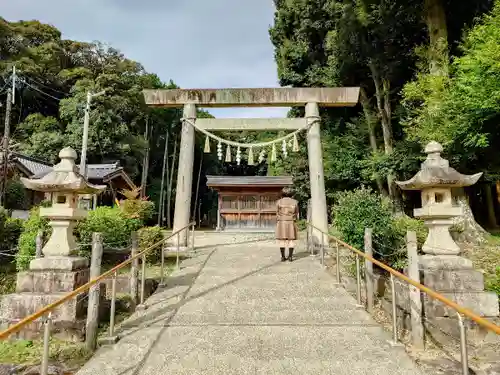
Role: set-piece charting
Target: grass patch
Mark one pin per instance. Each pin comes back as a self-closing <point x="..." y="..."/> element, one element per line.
<point x="153" y="271"/>
<point x="29" y="352"/>
<point x="72" y="355"/>
<point x="7" y="278"/>
<point x="487" y="259"/>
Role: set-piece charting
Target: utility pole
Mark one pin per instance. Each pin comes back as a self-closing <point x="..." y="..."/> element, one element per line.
<point x="145" y="161"/>
<point x="5" y="148"/>
<point x="83" y="156"/>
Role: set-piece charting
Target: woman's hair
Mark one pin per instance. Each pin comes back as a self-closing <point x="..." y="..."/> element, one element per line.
<point x="287" y="191"/>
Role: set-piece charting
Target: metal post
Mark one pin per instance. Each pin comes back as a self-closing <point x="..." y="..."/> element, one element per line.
<point x="134" y="268"/>
<point x="358" y="281"/>
<point x="162" y="265"/>
<point x="143" y="277"/>
<point x="177" y="264"/>
<point x="322" y="249"/>
<point x="46" y="343"/>
<point x="337" y="256"/>
<point x="192" y="239"/>
<point x="113" y="307"/>
<point x="394" y="312"/>
<point x="370" y="294"/>
<point x="463" y="345"/>
<point x="307" y="238"/>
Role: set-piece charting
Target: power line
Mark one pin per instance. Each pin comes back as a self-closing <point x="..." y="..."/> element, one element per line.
<point x="40" y="91"/>
<point x="44" y="85"/>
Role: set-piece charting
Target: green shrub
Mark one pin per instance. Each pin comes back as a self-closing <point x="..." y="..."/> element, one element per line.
<point x="27" y="239"/>
<point x="400" y="225"/>
<point x="15" y="195"/>
<point x="148" y="236"/>
<point x="362" y="208"/>
<point x="138" y="209"/>
<point x="359" y="209"/>
<point x="11" y="232"/>
<point x="114" y="225"/>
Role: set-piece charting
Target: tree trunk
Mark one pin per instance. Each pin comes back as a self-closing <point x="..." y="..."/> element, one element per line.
<point x="161" y="204"/>
<point x="465" y="227"/>
<point x="435" y="18"/>
<point x="490" y="205"/>
<point x="385" y="113"/>
<point x="371" y="122"/>
<point x="169" y="189"/>
<point x="382" y="107"/>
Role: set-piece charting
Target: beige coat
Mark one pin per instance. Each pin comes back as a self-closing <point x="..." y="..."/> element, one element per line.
<point x="287" y="211"/>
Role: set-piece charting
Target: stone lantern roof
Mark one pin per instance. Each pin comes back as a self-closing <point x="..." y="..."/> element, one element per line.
<point x="63" y="178"/>
<point x="436" y="172"/>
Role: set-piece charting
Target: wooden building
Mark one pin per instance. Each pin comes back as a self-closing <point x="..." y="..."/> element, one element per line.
<point x="247" y="203"/>
<point x="111" y="174"/>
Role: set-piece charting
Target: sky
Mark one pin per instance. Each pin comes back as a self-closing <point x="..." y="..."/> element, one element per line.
<point x="196" y="43"/>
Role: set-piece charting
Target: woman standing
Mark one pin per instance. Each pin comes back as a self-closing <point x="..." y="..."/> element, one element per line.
<point x="287" y="212"/>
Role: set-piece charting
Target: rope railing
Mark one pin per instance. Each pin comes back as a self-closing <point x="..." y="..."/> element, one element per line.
<point x="47" y="310"/>
<point x="460" y="310"/>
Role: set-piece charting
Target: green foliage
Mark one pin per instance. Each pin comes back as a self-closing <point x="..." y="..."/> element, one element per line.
<point x="402" y="224"/>
<point x="398" y="258"/>
<point x="462" y="110"/>
<point x="114" y="225"/>
<point x="10" y="232"/>
<point x="493" y="282"/>
<point x="27" y="239"/>
<point x="29" y="352"/>
<point x="149" y="236"/>
<point x="359" y="209"/>
<point x="136" y="208"/>
<point x="302" y="224"/>
<point x="15" y="195"/>
<point x="7" y="278"/>
<point x="362" y="208"/>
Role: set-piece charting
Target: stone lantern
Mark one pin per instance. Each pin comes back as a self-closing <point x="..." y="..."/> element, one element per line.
<point x="442" y="269"/>
<point x="60" y="270"/>
<point x="65" y="185"/>
<point x="435" y="180"/>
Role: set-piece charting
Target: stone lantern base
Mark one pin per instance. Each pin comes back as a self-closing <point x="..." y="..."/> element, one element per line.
<point x="455" y="278"/>
<point x="47" y="280"/>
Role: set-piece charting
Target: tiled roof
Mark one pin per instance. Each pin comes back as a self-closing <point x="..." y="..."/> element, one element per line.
<point x="99" y="171"/>
<point x="34" y="166"/>
<point x="94" y="171"/>
<point x="249" y="180"/>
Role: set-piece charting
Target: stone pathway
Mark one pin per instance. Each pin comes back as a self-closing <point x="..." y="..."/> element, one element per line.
<point x="236" y="309"/>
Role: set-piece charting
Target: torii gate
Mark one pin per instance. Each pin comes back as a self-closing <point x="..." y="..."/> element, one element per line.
<point x="311" y="98"/>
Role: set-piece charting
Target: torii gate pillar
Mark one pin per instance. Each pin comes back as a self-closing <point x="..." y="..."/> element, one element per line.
<point x="311" y="98"/>
<point x="319" y="215"/>
<point x="185" y="175"/>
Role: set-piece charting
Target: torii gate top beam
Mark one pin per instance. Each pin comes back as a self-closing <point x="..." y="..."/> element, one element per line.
<point x="254" y="97"/>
